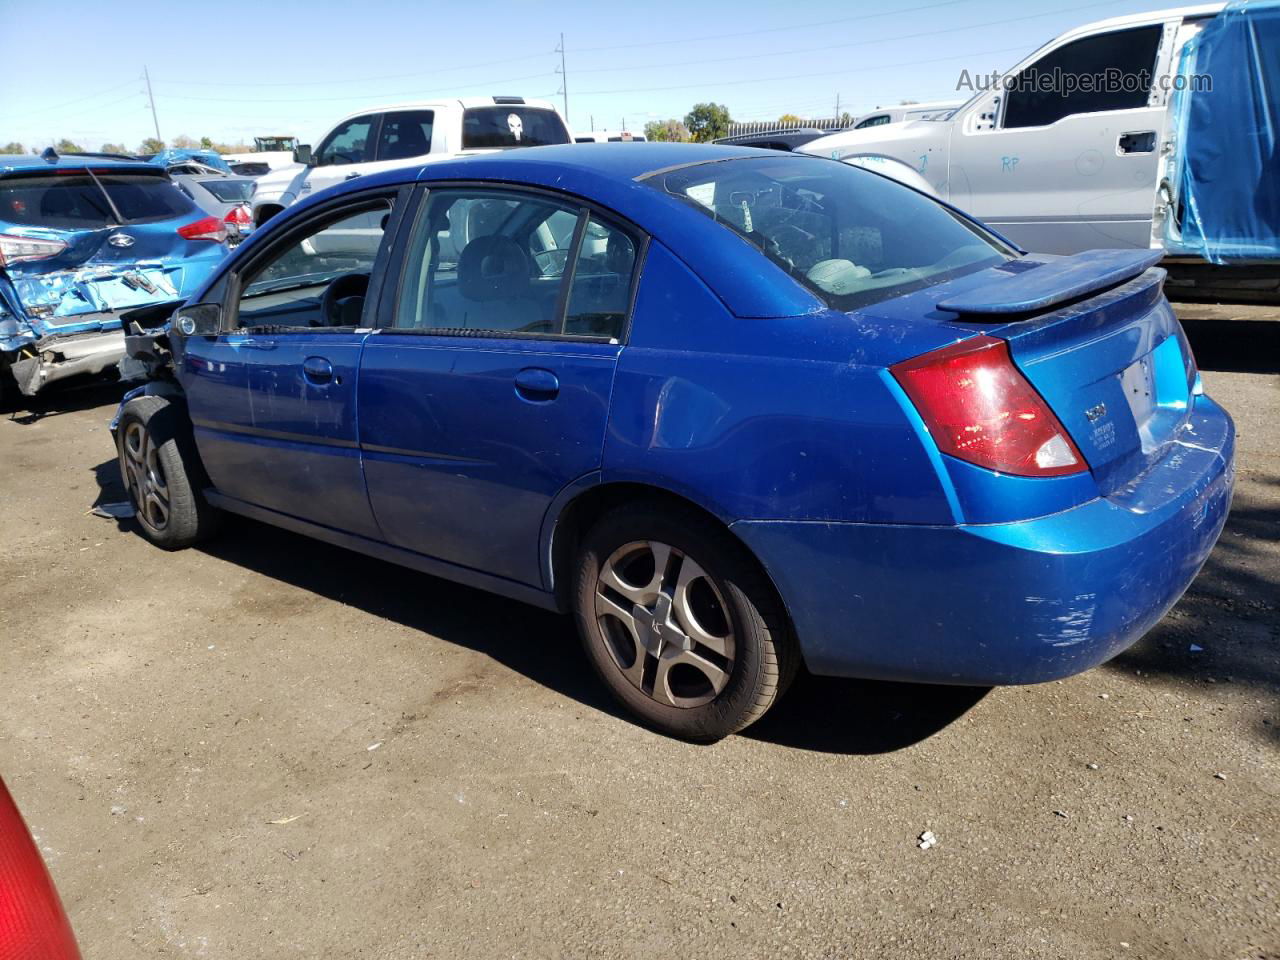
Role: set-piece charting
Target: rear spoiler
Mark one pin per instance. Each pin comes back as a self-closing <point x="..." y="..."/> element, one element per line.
<point x="1036" y="282"/>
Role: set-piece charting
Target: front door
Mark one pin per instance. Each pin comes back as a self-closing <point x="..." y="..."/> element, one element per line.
<point x="1068" y="161"/>
<point x="273" y="399"/>
<point x="487" y="390"/>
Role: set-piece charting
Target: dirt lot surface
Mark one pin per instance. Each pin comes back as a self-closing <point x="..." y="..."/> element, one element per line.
<point x="274" y="748"/>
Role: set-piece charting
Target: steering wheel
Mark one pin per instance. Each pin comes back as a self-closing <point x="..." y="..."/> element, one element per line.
<point x="343" y="300"/>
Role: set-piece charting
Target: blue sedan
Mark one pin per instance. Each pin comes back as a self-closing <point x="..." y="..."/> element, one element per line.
<point x="734" y="411"/>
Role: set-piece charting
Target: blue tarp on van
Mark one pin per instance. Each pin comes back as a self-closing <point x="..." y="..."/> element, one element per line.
<point x="1229" y="137"/>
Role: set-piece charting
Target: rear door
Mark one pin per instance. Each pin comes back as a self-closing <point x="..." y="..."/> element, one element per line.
<point x="485" y="391"/>
<point x="1068" y="161"/>
<point x="273" y="399"/>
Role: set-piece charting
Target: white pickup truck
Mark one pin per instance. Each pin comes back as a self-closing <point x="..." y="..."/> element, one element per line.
<point x="1145" y="158"/>
<point x="382" y="138"/>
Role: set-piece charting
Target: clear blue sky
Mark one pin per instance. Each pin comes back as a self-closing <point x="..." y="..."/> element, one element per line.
<point x="231" y="69"/>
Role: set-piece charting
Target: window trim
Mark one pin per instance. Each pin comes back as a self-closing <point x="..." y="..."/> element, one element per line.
<point x="1040" y="55"/>
<point x="384" y="321"/>
<point x="340" y="206"/>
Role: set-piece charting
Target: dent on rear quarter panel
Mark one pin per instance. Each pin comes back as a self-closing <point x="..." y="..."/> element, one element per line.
<point x="730" y="412"/>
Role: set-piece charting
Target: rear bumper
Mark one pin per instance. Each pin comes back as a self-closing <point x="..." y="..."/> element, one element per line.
<point x="58" y="357"/>
<point x="1004" y="603"/>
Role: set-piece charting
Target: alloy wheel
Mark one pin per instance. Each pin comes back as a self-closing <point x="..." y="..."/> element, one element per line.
<point x="145" y="476"/>
<point x="665" y="623"/>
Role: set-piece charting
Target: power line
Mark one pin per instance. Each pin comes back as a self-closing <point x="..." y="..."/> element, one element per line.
<point x="78" y="100"/>
<point x="357" y="96"/>
<point x="797" y="76"/>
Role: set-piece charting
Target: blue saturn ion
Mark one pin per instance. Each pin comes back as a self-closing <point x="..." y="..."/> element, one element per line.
<point x="735" y="411"/>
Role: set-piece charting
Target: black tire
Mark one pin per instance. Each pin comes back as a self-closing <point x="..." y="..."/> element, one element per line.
<point x="735" y="595"/>
<point x="158" y="463"/>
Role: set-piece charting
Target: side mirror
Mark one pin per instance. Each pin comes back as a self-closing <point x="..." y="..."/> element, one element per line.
<point x="302" y="155"/>
<point x="199" y="320"/>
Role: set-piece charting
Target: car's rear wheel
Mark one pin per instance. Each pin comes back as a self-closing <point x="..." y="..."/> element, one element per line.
<point x="679" y="622"/>
<point x="159" y="469"/>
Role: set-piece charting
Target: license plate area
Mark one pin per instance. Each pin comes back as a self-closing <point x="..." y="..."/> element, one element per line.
<point x="1139" y="385"/>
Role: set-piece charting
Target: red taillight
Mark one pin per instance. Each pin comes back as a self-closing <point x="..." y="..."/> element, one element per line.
<point x="208" y="228"/>
<point x="14" y="249"/>
<point x="32" y="922"/>
<point x="980" y="408"/>
<point x="240" y="216"/>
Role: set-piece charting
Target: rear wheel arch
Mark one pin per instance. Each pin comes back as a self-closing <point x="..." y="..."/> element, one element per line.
<point x="582" y="512"/>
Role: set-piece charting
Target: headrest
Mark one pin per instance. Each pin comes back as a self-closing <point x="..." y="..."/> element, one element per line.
<point x="493" y="268"/>
<point x="619" y="253"/>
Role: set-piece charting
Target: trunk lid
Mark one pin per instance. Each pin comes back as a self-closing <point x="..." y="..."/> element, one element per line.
<point x="1096" y="337"/>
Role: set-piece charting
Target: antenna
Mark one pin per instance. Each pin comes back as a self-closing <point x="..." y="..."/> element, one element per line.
<point x="564" y="79"/>
<point x="156" y="120"/>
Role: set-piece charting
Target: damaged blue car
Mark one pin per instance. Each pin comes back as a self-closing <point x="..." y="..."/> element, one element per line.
<point x="82" y="239"/>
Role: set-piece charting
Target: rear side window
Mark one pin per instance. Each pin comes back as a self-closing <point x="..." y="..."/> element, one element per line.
<point x="1110" y="71"/>
<point x="230" y="191"/>
<point x="850" y="236"/>
<point x="511" y="126"/>
<point x="405" y="134"/>
<point x="75" y="201"/>
<point x="349" y="143"/>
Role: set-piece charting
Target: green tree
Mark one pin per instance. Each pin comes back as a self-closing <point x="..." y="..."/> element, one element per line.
<point x="666" y="131"/>
<point x="790" y="120"/>
<point x="151" y="145"/>
<point x="114" y="148"/>
<point x="68" y="146"/>
<point x="845" y="119"/>
<point x="206" y="143"/>
<point x="707" y="122"/>
<point x="13" y="147"/>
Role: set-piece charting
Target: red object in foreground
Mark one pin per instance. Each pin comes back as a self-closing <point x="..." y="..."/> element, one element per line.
<point x="33" y="925"/>
<point x="241" y="216"/>
<point x="980" y="408"/>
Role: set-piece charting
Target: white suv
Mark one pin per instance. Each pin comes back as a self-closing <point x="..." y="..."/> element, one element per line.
<point x="408" y="133"/>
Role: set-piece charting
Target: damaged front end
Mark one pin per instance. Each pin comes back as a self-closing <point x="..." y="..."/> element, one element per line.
<point x="71" y="324"/>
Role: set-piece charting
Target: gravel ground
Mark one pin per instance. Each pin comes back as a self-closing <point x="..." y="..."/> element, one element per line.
<point x="274" y="748"/>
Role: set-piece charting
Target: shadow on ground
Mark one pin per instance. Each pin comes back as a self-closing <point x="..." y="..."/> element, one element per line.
<point x="60" y="398"/>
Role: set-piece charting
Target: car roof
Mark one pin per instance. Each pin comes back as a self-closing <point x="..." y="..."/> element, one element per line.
<point x="463" y="103"/>
<point x="29" y="164"/>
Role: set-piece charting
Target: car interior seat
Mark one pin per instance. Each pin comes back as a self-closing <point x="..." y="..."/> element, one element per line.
<point x="494" y="283"/>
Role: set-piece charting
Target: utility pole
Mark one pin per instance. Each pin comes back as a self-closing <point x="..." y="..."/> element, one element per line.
<point x="150" y="97"/>
<point x="837" y="108"/>
<point x="564" y="79"/>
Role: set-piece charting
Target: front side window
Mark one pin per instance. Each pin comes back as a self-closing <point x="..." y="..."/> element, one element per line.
<point x="318" y="278"/>
<point x="499" y="263"/>
<point x="1109" y="71"/>
<point x="511" y="126"/>
<point x="349" y="143"/>
<point x="850" y="236"/>
<point x="873" y="121"/>
<point x="77" y="201"/>
<point x="405" y="133"/>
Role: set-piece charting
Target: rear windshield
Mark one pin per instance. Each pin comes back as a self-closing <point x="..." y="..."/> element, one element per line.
<point x="229" y="191"/>
<point x="489" y="127"/>
<point x="850" y="236"/>
<point x="74" y="201"/>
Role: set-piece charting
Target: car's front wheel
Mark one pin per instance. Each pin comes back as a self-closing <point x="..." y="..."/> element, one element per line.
<point x="159" y="469"/>
<point x="680" y="623"/>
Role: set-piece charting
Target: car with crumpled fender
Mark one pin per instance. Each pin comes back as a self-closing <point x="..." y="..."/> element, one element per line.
<point x="83" y="238"/>
<point x="734" y="411"/>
